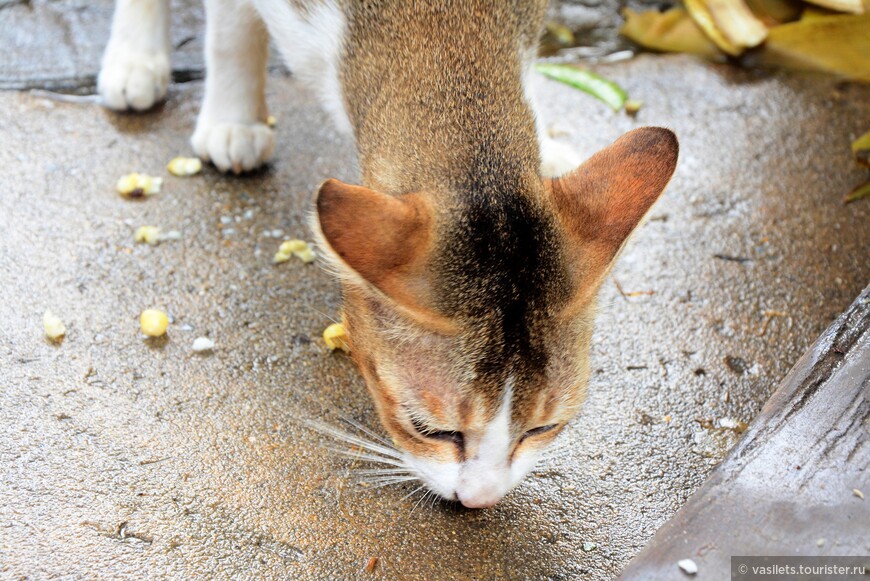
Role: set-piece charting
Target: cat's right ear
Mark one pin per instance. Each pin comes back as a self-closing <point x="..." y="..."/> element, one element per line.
<point x="383" y="240"/>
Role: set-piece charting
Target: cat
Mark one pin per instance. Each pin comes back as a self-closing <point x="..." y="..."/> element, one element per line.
<point x="469" y="269"/>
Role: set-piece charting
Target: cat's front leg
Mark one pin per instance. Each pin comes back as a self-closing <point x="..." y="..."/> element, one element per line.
<point x="135" y="70"/>
<point x="231" y="131"/>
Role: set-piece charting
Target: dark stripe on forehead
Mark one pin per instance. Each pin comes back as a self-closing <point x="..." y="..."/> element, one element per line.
<point x="501" y="270"/>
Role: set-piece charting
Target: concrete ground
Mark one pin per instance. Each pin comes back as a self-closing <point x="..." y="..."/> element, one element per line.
<point x="121" y="457"/>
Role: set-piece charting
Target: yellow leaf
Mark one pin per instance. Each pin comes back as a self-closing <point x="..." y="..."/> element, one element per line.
<point x="858" y="193"/>
<point x="853" y="6"/>
<point x="773" y="12"/>
<point x="861" y="149"/>
<point x="671" y="31"/>
<point x="737" y="22"/>
<point x="836" y="44"/>
<point x="701" y="14"/>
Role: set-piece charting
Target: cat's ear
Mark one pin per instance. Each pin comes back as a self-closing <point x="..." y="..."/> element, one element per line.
<point x="601" y="202"/>
<point x="385" y="240"/>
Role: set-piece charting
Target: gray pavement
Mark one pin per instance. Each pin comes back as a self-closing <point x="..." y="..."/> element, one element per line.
<point x="121" y="456"/>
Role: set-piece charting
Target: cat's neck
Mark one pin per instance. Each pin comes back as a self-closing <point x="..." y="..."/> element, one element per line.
<point x="436" y="99"/>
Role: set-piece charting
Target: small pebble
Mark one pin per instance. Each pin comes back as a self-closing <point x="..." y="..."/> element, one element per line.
<point x="820" y="543"/>
<point x="201" y="344"/>
<point x="688" y="566"/>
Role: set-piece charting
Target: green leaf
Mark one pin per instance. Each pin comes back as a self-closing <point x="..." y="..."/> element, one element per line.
<point x="858" y="193"/>
<point x="596" y="85"/>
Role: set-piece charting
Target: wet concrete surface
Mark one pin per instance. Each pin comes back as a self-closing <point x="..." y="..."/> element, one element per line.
<point x="794" y="483"/>
<point x="121" y="456"/>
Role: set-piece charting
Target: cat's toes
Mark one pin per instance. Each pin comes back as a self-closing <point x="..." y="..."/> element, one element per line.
<point x="557" y="158"/>
<point x="133" y="80"/>
<point x="237" y="147"/>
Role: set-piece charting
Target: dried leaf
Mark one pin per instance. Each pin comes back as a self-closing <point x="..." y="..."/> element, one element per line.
<point x="858" y="193"/>
<point x="861" y="149"/>
<point x="737" y="22"/>
<point x="596" y="85"/>
<point x="671" y="31"/>
<point x="774" y="12"/>
<point x="836" y="44"/>
<point x="852" y="6"/>
<point x="700" y="13"/>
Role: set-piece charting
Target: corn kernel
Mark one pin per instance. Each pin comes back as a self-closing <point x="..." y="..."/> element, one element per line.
<point x="147" y="234"/>
<point x="306" y="255"/>
<point x="184" y="166"/>
<point x="137" y="185"/>
<point x="281" y="257"/>
<point x="53" y="326"/>
<point x="298" y="248"/>
<point x="291" y="246"/>
<point x="153" y="322"/>
<point x="271" y="121"/>
<point x="632" y="106"/>
<point x="336" y="337"/>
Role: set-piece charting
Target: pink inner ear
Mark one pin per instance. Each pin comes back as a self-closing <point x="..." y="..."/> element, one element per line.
<point x="606" y="197"/>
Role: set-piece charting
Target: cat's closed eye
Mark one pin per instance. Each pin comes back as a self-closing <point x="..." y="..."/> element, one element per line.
<point x="539" y="430"/>
<point x="446" y="435"/>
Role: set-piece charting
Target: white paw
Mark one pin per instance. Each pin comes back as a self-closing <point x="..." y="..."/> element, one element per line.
<point x="133" y="80"/>
<point x="234" y="146"/>
<point x="557" y="158"/>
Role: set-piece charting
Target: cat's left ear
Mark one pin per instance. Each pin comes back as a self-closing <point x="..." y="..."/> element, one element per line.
<point x="384" y="240"/>
<point x="601" y="202"/>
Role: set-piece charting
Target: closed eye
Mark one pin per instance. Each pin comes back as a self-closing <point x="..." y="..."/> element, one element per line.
<point x="427" y="432"/>
<point x="538" y="431"/>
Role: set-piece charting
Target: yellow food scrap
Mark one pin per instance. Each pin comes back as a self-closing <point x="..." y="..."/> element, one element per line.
<point x="147" y="234"/>
<point x="335" y="337"/>
<point x="184" y="166"/>
<point x="153" y="322"/>
<point x="271" y="121"/>
<point x="632" y="106"/>
<point x="298" y="248"/>
<point x="53" y="326"/>
<point x="137" y="185"/>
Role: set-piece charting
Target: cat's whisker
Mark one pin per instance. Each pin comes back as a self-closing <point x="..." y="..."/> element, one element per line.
<point x="422" y="498"/>
<point x="359" y="455"/>
<point x="367" y="431"/>
<point x="386" y="481"/>
<point x="341" y="435"/>
<point x="391" y="483"/>
<point x="333" y="319"/>
<point x="413" y="492"/>
<point x="383" y="471"/>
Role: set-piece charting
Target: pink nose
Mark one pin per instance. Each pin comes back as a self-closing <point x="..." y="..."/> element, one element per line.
<point x="477" y="501"/>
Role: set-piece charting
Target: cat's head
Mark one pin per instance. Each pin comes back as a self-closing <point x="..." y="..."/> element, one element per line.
<point x="470" y="313"/>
